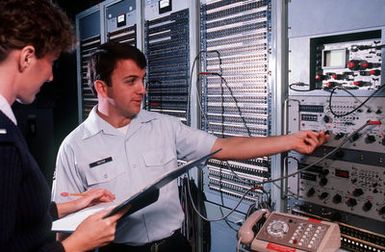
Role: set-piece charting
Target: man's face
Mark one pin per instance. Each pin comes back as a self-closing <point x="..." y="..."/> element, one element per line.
<point x="127" y="90"/>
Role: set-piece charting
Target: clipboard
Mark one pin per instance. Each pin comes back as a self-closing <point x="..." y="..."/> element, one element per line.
<point x="150" y="194"/>
<point x="143" y="198"/>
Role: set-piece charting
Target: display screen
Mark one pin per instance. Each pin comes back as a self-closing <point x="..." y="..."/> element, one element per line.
<point x="164" y="6"/>
<point x="334" y="58"/>
<point x="342" y="173"/>
<point x="308" y="176"/>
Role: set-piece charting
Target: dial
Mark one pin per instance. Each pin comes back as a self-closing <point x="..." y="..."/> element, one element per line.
<point x="277" y="228"/>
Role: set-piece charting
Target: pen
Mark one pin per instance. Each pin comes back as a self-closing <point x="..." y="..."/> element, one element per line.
<point x="67" y="194"/>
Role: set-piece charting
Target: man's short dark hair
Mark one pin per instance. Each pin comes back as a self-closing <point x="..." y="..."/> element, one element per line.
<point x="103" y="61"/>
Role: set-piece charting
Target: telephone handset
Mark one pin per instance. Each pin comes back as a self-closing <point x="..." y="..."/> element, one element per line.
<point x="283" y="232"/>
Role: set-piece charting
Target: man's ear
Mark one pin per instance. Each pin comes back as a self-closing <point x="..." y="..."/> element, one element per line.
<point x="100" y="87"/>
<point x="27" y="55"/>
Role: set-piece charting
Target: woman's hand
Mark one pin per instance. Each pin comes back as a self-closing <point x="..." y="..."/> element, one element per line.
<point x="85" y="199"/>
<point x="95" y="231"/>
<point x="92" y="197"/>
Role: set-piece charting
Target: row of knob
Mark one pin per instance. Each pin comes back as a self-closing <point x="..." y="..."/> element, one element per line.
<point x="350" y="202"/>
<point x="361" y="64"/>
<point x="346" y="75"/>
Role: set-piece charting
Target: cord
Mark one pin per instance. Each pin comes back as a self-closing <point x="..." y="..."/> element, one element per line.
<point x="324" y="157"/>
<point x="299" y="84"/>
<point x="223" y="80"/>
<point x="238" y="244"/>
<point x="190" y="80"/>
<point x="280" y="187"/>
<point x="232" y="96"/>
<point x="217" y="219"/>
<point x="346" y="139"/>
<point x="355" y="109"/>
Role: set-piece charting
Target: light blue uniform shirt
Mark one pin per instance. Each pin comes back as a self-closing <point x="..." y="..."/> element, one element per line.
<point x="97" y="155"/>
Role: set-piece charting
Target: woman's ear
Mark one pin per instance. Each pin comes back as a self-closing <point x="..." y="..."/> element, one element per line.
<point x="27" y="55"/>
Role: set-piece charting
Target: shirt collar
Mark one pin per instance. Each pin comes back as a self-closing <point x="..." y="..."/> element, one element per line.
<point x="94" y="124"/>
<point x="7" y="110"/>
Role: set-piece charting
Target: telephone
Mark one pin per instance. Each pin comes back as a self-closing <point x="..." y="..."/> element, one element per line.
<point x="283" y="232"/>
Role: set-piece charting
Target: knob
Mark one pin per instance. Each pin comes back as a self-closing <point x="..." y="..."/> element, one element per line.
<point x="370" y="139"/>
<point x="375" y="72"/>
<point x="321" y="77"/>
<point x="337" y="199"/>
<point x="330" y="84"/>
<point x="364" y="65"/>
<point x="337" y="76"/>
<point x="359" y="83"/>
<point x="323" y="195"/>
<point x="327" y="119"/>
<point x="310" y="193"/>
<point x="367" y="206"/>
<point x="355" y="137"/>
<point x="339" y="136"/>
<point x="358" y="192"/>
<point x="323" y="181"/>
<point x="353" y="64"/>
<point x="351" y="202"/>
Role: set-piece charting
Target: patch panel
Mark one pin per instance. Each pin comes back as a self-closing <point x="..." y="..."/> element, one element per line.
<point x="234" y="35"/>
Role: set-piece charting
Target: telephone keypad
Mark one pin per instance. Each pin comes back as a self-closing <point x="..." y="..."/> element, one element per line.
<point x="307" y="235"/>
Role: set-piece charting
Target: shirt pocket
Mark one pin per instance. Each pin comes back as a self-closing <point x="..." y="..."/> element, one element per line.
<point x="103" y="173"/>
<point x="163" y="159"/>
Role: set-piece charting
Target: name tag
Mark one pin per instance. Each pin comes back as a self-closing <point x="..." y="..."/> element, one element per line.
<point x="100" y="162"/>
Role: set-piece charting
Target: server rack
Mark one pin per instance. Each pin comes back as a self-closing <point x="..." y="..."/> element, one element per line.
<point x="89" y="30"/>
<point x="235" y="91"/>
<point x="240" y="90"/>
<point x="167" y="47"/>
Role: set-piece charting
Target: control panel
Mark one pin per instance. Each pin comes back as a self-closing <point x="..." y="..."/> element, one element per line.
<point x="319" y="113"/>
<point x="351" y="64"/>
<point x="348" y="186"/>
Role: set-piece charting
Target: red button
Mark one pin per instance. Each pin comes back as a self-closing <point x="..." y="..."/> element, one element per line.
<point x="353" y="64"/>
<point x="364" y="64"/>
<point x="375" y="72"/>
